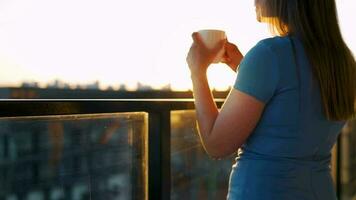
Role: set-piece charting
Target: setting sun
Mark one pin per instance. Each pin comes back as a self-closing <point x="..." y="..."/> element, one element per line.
<point x="112" y="42"/>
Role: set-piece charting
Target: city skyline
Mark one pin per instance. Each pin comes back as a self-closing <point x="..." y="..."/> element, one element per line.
<point x="95" y="85"/>
<point x="81" y="42"/>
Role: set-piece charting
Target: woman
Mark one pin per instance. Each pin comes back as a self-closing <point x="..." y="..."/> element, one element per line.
<point x="292" y="96"/>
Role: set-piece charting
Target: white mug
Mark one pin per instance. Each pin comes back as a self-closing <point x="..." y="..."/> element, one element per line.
<point x="211" y="38"/>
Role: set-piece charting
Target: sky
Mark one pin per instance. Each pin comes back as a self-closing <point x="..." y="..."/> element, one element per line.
<point x="125" y="42"/>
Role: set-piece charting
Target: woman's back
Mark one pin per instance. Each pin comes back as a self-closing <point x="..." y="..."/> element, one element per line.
<point x="287" y="156"/>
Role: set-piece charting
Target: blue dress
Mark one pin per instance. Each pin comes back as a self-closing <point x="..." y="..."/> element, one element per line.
<point x="287" y="156"/>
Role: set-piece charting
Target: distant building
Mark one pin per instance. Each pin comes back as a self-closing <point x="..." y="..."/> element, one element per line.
<point x="167" y="87"/>
<point x="122" y="87"/>
<point x="93" y="86"/>
<point x="58" y="84"/>
<point x="142" y="87"/>
<point x="60" y="91"/>
<point x="30" y="84"/>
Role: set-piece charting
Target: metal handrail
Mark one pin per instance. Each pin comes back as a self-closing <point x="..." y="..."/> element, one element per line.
<point x="45" y="107"/>
<point x="159" y="131"/>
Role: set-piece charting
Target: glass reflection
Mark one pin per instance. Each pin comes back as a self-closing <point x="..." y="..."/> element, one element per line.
<point x="348" y="161"/>
<point x="194" y="174"/>
<point x="73" y="157"/>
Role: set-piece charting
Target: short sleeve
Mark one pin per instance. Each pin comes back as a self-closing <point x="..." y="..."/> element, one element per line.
<point x="258" y="73"/>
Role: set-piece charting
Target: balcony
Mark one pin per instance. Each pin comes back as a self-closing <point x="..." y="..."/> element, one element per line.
<point x="121" y="149"/>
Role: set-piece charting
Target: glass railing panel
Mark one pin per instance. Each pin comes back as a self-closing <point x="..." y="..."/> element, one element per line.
<point x="348" y="161"/>
<point x="77" y="157"/>
<point x="193" y="174"/>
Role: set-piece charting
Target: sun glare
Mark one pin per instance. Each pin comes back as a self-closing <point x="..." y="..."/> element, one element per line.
<point x="114" y="42"/>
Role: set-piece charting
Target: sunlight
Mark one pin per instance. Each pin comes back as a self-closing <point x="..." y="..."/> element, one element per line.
<point x="47" y="40"/>
<point x="122" y="42"/>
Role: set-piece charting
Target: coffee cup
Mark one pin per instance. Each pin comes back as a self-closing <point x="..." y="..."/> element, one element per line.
<point x="211" y="38"/>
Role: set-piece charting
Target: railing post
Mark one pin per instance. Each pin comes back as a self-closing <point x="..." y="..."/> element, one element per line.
<point x="139" y="155"/>
<point x="159" y="155"/>
<point x="339" y="166"/>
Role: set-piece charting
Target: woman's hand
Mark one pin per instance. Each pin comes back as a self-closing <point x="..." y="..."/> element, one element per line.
<point x="200" y="57"/>
<point x="232" y="56"/>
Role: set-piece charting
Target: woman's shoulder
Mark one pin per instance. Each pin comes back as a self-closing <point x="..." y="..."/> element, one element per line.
<point x="266" y="51"/>
<point x="269" y="48"/>
<point x="276" y="44"/>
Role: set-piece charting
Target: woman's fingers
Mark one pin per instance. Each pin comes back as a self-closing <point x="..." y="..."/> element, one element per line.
<point x="226" y="58"/>
<point x="231" y="48"/>
<point x="220" y="45"/>
<point x="232" y="56"/>
<point x="197" y="39"/>
<point x="229" y="52"/>
<point x="199" y="56"/>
